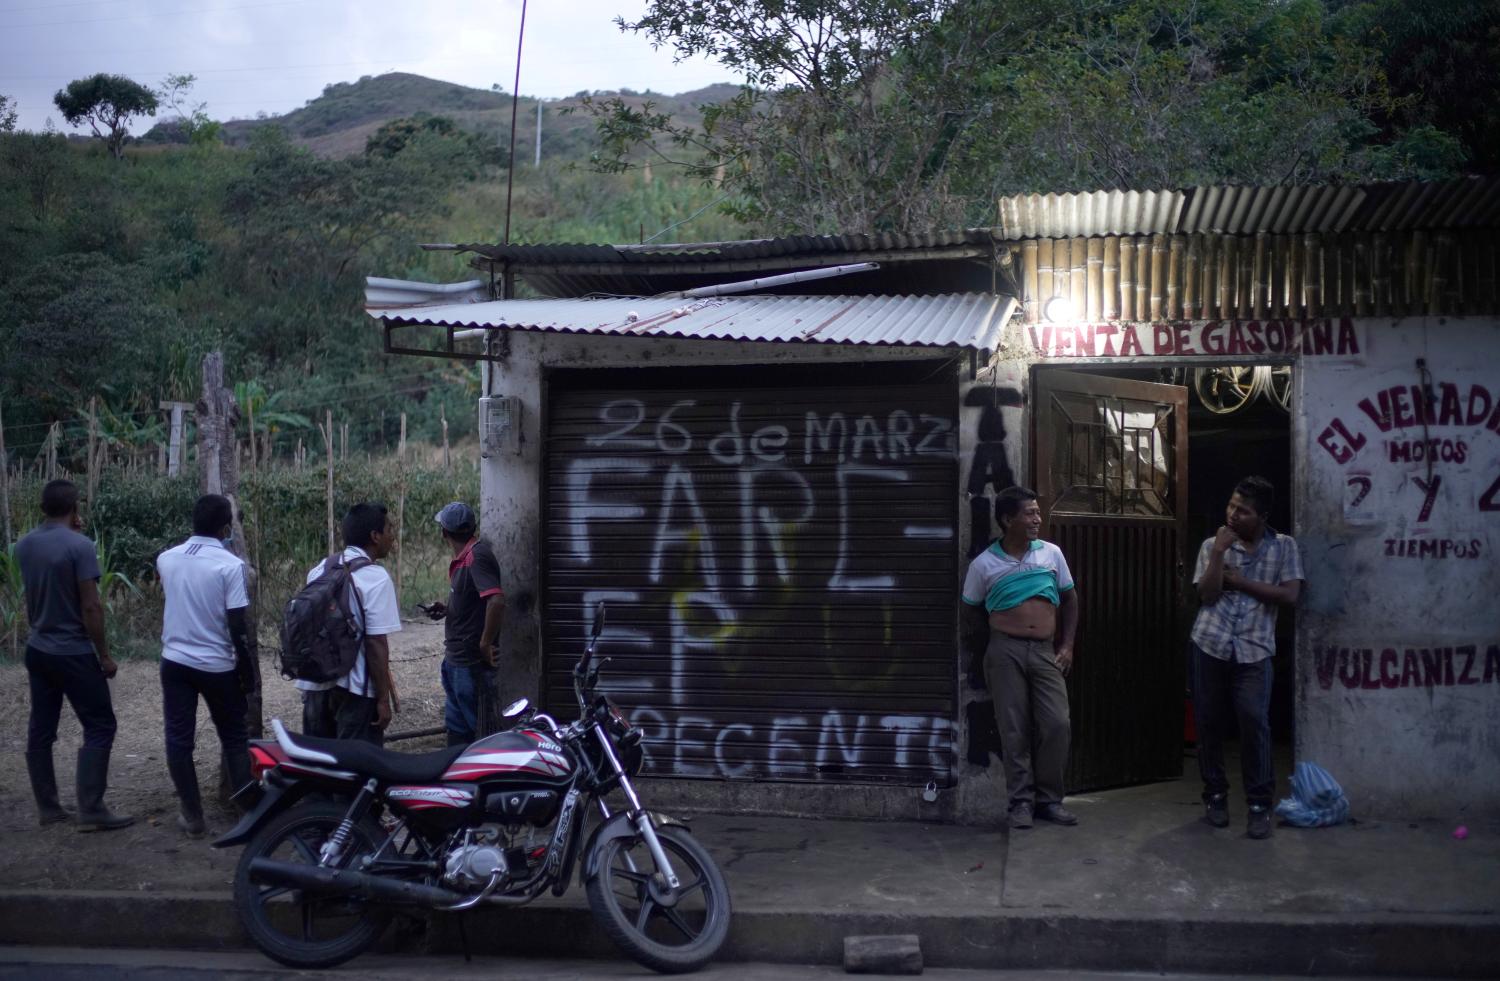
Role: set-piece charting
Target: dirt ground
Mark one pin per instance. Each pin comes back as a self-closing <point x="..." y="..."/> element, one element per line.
<point x="152" y="854"/>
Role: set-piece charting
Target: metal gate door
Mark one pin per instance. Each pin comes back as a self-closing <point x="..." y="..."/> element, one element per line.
<point x="1111" y="471"/>
<point x="777" y="551"/>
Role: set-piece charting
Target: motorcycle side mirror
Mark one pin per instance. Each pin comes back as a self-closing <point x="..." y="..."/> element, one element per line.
<point x="516" y="708"/>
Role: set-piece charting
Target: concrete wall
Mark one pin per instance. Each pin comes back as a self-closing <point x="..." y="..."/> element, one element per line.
<point x="1398" y="666"/>
<point x="1398" y="653"/>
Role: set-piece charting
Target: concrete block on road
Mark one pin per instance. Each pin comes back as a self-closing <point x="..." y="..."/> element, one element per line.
<point x="890" y="954"/>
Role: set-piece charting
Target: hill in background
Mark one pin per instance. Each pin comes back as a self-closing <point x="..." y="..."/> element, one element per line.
<point x="339" y="121"/>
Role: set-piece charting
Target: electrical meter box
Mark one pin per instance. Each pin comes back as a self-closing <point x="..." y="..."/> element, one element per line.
<point x="499" y="425"/>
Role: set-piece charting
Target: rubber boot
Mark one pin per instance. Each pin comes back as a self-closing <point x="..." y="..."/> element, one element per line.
<point x="190" y="801"/>
<point x="237" y="765"/>
<point x="93" y="780"/>
<point x="44" y="788"/>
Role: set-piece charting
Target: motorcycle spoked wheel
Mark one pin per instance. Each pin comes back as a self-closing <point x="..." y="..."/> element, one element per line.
<point x="296" y="929"/>
<point x="627" y="900"/>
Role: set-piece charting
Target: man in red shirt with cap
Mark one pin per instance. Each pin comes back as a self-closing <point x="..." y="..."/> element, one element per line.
<point x="473" y="615"/>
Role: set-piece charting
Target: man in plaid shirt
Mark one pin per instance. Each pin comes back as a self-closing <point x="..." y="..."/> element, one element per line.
<point x="1245" y="572"/>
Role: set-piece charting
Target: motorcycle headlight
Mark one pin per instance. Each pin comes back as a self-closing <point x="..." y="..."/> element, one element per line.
<point x="610" y="716"/>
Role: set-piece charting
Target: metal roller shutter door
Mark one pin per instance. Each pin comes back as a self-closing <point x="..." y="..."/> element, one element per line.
<point x="776" y="548"/>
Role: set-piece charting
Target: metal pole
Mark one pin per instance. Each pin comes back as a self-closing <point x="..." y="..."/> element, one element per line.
<point x="515" y="95"/>
<point x="538" y="133"/>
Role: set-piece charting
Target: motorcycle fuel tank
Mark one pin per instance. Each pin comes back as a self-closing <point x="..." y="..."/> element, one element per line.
<point x="519" y="756"/>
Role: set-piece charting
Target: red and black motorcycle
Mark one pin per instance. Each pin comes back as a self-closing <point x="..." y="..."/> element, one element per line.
<point x="344" y="832"/>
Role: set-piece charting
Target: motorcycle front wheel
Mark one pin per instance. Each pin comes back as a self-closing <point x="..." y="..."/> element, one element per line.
<point x="668" y="932"/>
<point x="294" y="928"/>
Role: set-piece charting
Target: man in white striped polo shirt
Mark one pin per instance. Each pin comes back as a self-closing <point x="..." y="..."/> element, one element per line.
<point x="1022" y="587"/>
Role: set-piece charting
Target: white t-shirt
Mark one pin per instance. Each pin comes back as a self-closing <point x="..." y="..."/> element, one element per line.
<point x="202" y="581"/>
<point x="376" y="610"/>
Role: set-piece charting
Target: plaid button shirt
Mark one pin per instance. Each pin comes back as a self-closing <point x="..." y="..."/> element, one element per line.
<point x="1237" y="626"/>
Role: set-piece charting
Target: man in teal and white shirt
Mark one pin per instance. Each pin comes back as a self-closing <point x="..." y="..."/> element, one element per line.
<point x="1020" y="589"/>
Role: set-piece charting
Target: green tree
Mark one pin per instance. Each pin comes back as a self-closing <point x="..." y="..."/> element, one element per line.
<point x="107" y="103"/>
<point x="902" y="115"/>
<point x="1442" y="58"/>
<point x="192" y="119"/>
<point x="7" y="114"/>
<point x="39" y="163"/>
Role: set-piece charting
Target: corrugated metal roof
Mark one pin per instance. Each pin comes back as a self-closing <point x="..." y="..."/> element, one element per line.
<point x="1465" y="202"/>
<point x="1241" y="210"/>
<point x="965" y="320"/>
<point x="1094" y="213"/>
<point x="975" y="241"/>
<point x="390" y="294"/>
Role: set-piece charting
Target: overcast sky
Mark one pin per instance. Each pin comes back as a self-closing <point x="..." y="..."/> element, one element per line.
<point x="275" y="55"/>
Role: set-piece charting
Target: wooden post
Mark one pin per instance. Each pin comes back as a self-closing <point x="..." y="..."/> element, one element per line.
<point x="174" y="436"/>
<point x="443" y="414"/>
<point x="91" y="475"/>
<point x="400" y="499"/>
<point x="250" y="410"/>
<point x="5" y="476"/>
<point x="218" y="416"/>
<point x="52" y="452"/>
<point x="343" y="441"/>
<point x="1127" y="278"/>
<point x="328" y="448"/>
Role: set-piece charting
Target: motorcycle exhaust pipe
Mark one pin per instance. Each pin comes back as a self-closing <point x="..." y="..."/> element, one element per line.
<point x="347" y="882"/>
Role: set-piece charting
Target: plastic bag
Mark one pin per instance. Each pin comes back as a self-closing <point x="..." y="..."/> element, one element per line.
<point x="1317" y="800"/>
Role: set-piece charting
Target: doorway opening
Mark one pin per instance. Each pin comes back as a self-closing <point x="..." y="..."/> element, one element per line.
<point x="1134" y="465"/>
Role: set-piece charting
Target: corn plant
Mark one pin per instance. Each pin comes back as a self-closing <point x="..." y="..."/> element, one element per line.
<point x="112" y="581"/>
<point x="12" y="600"/>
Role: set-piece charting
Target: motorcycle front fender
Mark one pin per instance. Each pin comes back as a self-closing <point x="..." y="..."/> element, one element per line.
<point x="278" y="795"/>
<point x="618" y="826"/>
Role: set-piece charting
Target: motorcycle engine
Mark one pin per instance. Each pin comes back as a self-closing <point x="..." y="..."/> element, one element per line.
<point x="470" y="866"/>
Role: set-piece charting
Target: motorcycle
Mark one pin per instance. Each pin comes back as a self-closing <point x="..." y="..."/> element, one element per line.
<point x="342" y="833"/>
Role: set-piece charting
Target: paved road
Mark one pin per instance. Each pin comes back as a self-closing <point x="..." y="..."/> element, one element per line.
<point x="57" y="964"/>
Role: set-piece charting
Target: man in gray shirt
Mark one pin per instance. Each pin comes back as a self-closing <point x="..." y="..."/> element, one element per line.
<point x="67" y="656"/>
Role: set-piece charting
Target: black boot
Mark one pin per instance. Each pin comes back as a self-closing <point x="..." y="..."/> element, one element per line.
<point x="93" y="780"/>
<point x="44" y="787"/>
<point x="237" y="765"/>
<point x="454" y="739"/>
<point x="190" y="801"/>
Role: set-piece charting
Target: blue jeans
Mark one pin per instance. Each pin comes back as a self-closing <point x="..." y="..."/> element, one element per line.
<point x="1219" y="688"/>
<point x="79" y="679"/>
<point x="469" y="710"/>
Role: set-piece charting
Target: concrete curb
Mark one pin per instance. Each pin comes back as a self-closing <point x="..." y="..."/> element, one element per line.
<point x="1394" y="944"/>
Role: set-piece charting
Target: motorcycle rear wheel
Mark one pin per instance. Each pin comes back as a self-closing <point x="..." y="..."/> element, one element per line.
<point x="627" y="899"/>
<point x="296" y="929"/>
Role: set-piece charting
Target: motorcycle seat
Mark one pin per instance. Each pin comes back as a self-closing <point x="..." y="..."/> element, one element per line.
<point x="367" y="759"/>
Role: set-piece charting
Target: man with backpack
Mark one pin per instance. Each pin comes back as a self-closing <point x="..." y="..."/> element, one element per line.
<point x="474" y="613"/>
<point x="206" y="650"/>
<point x="334" y="635"/>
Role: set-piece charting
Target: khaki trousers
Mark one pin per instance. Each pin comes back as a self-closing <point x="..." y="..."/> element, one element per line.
<point x="1031" y="709"/>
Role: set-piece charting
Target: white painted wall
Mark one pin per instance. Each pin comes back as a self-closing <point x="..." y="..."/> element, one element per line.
<point x="1398" y="654"/>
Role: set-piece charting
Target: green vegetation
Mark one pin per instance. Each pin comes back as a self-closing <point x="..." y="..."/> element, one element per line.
<point x="873" y="116"/>
<point x="138" y="514"/>
<point x="117" y="279"/>
<point x="107" y="103"/>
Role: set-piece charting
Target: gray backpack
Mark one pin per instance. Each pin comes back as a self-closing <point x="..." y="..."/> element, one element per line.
<point x="320" y="635"/>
